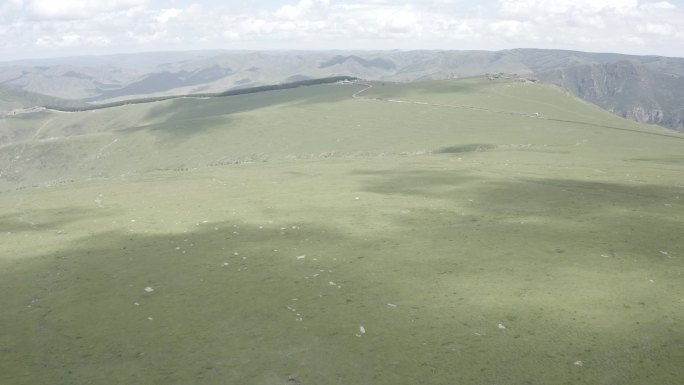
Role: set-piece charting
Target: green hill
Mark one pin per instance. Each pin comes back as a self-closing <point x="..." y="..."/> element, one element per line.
<point x="465" y="231"/>
<point x="13" y="98"/>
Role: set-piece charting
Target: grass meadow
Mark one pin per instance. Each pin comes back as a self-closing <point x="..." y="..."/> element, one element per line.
<point x="305" y="237"/>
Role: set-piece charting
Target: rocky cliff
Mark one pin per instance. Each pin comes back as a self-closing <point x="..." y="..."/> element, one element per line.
<point x="628" y="89"/>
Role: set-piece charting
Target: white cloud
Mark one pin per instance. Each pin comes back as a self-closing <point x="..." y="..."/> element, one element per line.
<point x="659" y="5"/>
<point x="509" y="28"/>
<point x="76" y="9"/>
<point x="51" y="27"/>
<point x="302" y="9"/>
<point x="556" y="7"/>
<point x="70" y="40"/>
<point x="656" y="29"/>
<point x="168" y="14"/>
<point x="396" y="21"/>
<point x="601" y="25"/>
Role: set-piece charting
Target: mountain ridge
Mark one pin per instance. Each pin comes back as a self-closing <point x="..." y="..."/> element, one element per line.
<point x="107" y="79"/>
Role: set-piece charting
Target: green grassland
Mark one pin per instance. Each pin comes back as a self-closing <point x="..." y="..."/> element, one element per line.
<point x="474" y="246"/>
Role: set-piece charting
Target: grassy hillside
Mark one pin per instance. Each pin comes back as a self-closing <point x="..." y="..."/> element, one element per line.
<point x="12" y="98"/>
<point x="453" y="234"/>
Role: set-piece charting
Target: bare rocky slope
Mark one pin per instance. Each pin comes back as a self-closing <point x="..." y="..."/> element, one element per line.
<point x="628" y="89"/>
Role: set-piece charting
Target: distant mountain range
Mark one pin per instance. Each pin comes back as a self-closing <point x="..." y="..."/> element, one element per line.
<point x="647" y="89"/>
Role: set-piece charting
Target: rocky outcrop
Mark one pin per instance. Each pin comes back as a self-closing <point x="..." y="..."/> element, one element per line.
<point x="628" y="89"/>
<point x="642" y="115"/>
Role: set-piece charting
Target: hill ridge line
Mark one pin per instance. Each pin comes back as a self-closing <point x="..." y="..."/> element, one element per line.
<point x="357" y="95"/>
<point x="243" y="91"/>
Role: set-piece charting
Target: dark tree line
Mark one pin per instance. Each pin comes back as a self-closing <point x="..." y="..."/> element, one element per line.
<point x="243" y="91"/>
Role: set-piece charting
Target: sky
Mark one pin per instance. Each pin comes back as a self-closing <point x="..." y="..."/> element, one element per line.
<point x="56" y="28"/>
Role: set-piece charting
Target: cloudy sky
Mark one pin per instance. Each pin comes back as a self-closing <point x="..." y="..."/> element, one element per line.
<point x="49" y="28"/>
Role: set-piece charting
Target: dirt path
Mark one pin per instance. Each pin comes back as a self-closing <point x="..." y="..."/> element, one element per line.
<point x="35" y="136"/>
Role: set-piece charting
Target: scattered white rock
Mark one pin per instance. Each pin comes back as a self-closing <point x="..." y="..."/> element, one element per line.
<point x="301" y="256"/>
<point x="149" y="289"/>
<point x="136" y="303"/>
<point x="331" y="283"/>
<point x="391" y="305"/>
<point x="357" y="198"/>
<point x="362" y="329"/>
<point x="579" y="363"/>
<point x="605" y="256"/>
<point x="664" y="252"/>
<point x="150" y="318"/>
<point x="501" y="326"/>
<point x="132" y="220"/>
<point x="226" y="263"/>
<point x="236" y="254"/>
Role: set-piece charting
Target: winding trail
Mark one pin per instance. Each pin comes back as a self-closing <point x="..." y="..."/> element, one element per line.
<point x="357" y="95"/>
<point x="35" y="136"/>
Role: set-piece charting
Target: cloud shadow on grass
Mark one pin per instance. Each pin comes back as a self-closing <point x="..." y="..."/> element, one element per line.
<point x="426" y="183"/>
<point x="188" y="116"/>
<point x="221" y="309"/>
<point x="226" y="304"/>
<point x="566" y="247"/>
<point x="558" y="215"/>
<point x="524" y="192"/>
<point x="388" y="90"/>
<point x="48" y="219"/>
<point x="465" y="148"/>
